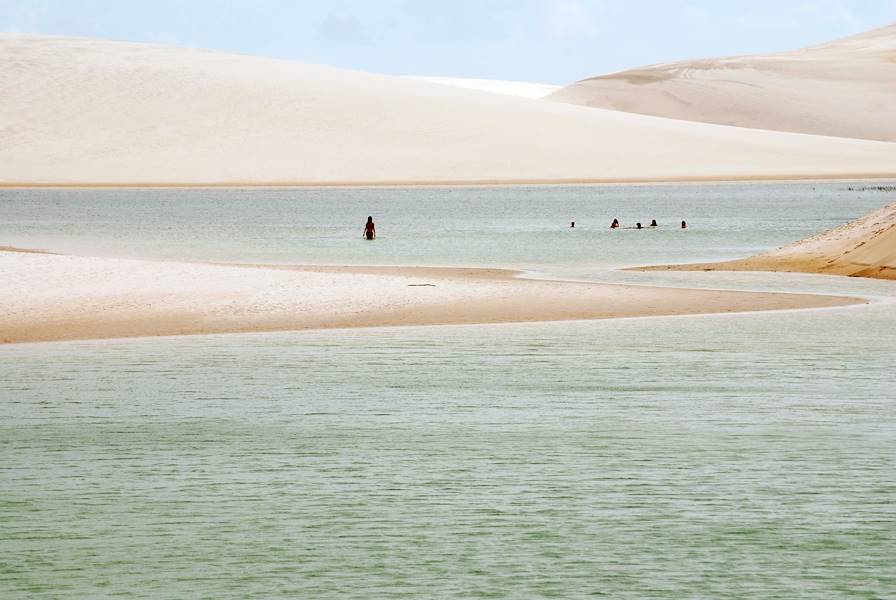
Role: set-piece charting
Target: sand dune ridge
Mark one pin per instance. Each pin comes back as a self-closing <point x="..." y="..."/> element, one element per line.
<point x="83" y="111"/>
<point x="842" y="88"/>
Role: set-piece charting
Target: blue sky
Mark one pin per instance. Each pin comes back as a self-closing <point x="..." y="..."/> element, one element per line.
<point x="550" y="41"/>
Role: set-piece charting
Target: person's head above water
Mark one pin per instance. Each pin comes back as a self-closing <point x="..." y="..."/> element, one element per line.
<point x="572" y="224"/>
<point x="653" y="223"/>
<point x="684" y="225"/>
<point x="638" y="226"/>
<point x="615" y="224"/>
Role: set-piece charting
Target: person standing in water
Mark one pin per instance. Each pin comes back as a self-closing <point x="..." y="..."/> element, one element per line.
<point x="370" y="229"/>
<point x="684" y="224"/>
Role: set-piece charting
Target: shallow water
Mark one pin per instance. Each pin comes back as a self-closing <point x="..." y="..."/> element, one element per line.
<point x="517" y="227"/>
<point x="724" y="456"/>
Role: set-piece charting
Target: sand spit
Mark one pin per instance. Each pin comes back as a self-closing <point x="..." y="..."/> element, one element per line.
<point x="845" y="88"/>
<point x="865" y="247"/>
<point x="90" y="112"/>
<point x="24" y="250"/>
<point x="53" y="297"/>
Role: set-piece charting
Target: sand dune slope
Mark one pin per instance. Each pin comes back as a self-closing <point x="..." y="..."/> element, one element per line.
<point x="80" y="111"/>
<point x="865" y="247"/>
<point x="845" y="88"/>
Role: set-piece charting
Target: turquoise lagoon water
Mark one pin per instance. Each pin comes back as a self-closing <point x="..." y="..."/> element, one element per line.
<point x="724" y="456"/>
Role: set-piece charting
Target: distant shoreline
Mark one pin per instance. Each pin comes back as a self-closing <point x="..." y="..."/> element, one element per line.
<point x="452" y="183"/>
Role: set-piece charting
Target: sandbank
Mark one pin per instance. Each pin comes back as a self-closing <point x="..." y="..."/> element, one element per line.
<point x="865" y="247"/>
<point x="49" y="297"/>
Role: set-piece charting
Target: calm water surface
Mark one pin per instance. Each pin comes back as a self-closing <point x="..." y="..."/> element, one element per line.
<point x="730" y="456"/>
<point x="513" y="226"/>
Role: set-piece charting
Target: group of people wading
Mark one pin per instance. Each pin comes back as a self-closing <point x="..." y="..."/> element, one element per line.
<point x="370" y="227"/>
<point x="615" y="225"/>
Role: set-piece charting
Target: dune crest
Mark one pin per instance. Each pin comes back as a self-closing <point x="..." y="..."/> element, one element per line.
<point x="843" y="88"/>
<point x="91" y="112"/>
<point x="865" y="247"/>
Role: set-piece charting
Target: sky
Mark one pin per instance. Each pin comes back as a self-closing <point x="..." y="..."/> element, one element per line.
<point x="546" y="41"/>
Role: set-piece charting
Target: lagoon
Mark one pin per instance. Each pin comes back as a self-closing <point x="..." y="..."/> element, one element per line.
<point x="716" y="456"/>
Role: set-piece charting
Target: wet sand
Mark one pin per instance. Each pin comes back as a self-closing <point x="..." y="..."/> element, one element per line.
<point x="865" y="247"/>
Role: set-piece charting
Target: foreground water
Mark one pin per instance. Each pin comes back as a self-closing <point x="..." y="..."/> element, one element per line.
<point x="730" y="456"/>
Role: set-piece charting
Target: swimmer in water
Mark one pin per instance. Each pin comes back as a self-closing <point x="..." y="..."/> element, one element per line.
<point x="615" y="224"/>
<point x="638" y="226"/>
<point x="572" y="225"/>
<point x="653" y="223"/>
<point x="684" y="224"/>
<point x="370" y="229"/>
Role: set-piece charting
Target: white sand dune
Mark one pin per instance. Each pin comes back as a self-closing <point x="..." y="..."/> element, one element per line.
<point x="845" y="88"/>
<point x="52" y="297"/>
<point x="521" y="89"/>
<point x="865" y="247"/>
<point x="85" y="112"/>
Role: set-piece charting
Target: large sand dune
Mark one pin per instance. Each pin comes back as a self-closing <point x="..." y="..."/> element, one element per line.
<point x="845" y="88"/>
<point x="80" y="111"/>
<point x="865" y="247"/>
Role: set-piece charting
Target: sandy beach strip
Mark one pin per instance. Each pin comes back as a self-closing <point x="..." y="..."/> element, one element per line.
<point x="453" y="182"/>
<point x="865" y="247"/>
<point x="56" y="297"/>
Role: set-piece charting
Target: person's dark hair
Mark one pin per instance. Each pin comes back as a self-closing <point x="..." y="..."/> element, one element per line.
<point x="684" y="224"/>
<point x="638" y="226"/>
<point x="370" y="219"/>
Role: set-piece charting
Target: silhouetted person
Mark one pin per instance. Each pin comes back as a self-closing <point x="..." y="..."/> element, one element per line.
<point x="684" y="224"/>
<point x="653" y="223"/>
<point x="370" y="229"/>
<point x="615" y="224"/>
<point x="572" y="225"/>
<point x="638" y="226"/>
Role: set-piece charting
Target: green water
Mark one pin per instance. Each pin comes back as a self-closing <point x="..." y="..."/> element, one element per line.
<point x="512" y="226"/>
<point x="728" y="456"/>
